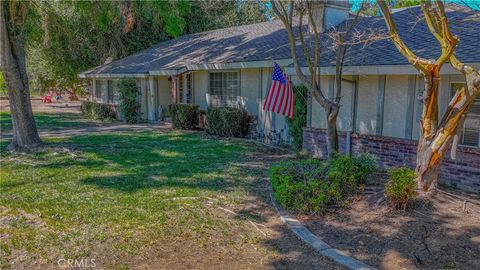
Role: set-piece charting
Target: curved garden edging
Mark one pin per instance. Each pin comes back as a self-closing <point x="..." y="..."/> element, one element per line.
<point x="312" y="240"/>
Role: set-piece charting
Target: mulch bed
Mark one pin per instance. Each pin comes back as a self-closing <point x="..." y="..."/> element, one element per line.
<point x="442" y="232"/>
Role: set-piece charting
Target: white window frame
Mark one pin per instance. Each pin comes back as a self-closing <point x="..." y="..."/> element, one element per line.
<point x="224" y="99"/>
<point x="463" y="127"/>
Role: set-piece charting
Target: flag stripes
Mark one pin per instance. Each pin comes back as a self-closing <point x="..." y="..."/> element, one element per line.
<point x="280" y="98"/>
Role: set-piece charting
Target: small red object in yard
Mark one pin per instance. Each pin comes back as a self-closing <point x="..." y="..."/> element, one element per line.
<point x="48" y="97"/>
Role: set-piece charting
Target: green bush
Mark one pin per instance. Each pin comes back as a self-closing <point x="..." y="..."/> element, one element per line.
<point x="312" y="186"/>
<point x="129" y="106"/>
<point x="352" y="170"/>
<point x="295" y="125"/>
<point x="400" y="189"/>
<point x="227" y="122"/>
<point x="184" y="116"/>
<point x="365" y="165"/>
<point x="95" y="110"/>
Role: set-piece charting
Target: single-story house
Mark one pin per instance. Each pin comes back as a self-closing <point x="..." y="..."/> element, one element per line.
<point x="381" y="96"/>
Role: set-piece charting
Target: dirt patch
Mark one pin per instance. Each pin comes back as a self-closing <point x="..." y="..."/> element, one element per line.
<point x="434" y="234"/>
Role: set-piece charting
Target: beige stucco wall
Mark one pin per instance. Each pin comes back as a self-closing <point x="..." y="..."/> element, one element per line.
<point x="200" y="81"/>
<point x="163" y="88"/>
<point x="367" y="104"/>
<point x="266" y="120"/>
<point x="395" y="106"/>
<point x="317" y="113"/>
<point x="344" y="120"/>
<point x="254" y="84"/>
<point x="417" y="108"/>
<point x="250" y="88"/>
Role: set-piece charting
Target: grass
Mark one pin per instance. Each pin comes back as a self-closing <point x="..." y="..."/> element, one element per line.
<point x="113" y="195"/>
<point x="51" y="121"/>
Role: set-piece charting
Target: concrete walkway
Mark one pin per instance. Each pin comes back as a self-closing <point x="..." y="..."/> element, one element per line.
<point x="95" y="129"/>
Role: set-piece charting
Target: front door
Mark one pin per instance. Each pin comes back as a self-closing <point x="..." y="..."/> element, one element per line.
<point x="184" y="88"/>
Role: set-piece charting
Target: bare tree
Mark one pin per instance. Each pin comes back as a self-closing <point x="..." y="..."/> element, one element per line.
<point x="293" y="15"/>
<point x="436" y="137"/>
<point x="13" y="16"/>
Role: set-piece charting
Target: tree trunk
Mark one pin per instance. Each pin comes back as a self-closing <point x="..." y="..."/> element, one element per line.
<point x="427" y="168"/>
<point x="12" y="64"/>
<point x="432" y="149"/>
<point x="331" y="113"/>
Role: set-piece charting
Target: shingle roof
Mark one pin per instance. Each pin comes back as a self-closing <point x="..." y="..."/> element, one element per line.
<point x="415" y="33"/>
<point x="268" y="41"/>
<point x="255" y="42"/>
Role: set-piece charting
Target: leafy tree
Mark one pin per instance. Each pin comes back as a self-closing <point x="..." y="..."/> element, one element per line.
<point x="66" y="37"/>
<point x="307" y="40"/>
<point x="214" y="14"/>
<point x="73" y="36"/>
<point x="13" y="26"/>
<point x="91" y="33"/>
<point x="436" y="136"/>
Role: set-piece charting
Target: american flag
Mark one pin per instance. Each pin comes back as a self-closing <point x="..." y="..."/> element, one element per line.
<point x="280" y="98"/>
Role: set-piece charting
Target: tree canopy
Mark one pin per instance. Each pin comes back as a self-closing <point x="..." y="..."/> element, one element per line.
<point x="67" y="37"/>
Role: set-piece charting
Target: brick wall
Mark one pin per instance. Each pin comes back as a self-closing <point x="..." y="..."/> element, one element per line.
<point x="463" y="172"/>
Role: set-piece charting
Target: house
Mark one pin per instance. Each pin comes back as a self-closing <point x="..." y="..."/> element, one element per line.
<point x="381" y="100"/>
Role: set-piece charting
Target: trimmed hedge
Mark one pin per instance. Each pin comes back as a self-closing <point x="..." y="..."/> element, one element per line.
<point x="96" y="110"/>
<point x="312" y="186"/>
<point x="227" y="122"/>
<point x="184" y="116"/>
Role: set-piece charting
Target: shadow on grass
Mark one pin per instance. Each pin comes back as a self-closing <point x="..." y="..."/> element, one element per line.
<point x="134" y="162"/>
<point x="51" y="121"/>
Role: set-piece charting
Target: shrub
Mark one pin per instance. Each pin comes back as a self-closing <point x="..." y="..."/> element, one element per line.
<point x="312" y="186"/>
<point x="227" y="122"/>
<point x="351" y="170"/>
<point x="184" y="116"/>
<point x="400" y="189"/>
<point x="95" y="110"/>
<point x="129" y="106"/>
<point x="298" y="185"/>
<point x="365" y="165"/>
<point x="295" y="125"/>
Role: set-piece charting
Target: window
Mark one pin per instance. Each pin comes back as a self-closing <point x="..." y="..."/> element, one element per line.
<point x="470" y="132"/>
<point x="110" y="92"/>
<point x="188" y="94"/>
<point x="180" y="88"/>
<point x="224" y="88"/>
<point x="98" y="89"/>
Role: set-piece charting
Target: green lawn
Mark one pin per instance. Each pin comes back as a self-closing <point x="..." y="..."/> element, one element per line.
<point x="119" y="194"/>
<point x="51" y="121"/>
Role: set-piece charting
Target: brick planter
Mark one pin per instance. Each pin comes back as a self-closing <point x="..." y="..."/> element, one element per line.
<point x="463" y="172"/>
